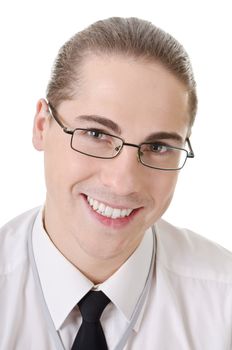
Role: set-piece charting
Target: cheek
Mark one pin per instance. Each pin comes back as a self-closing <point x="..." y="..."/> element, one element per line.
<point x="64" y="168"/>
<point x="162" y="190"/>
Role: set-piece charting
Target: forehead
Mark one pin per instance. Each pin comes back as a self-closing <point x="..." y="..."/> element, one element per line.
<point x="127" y="90"/>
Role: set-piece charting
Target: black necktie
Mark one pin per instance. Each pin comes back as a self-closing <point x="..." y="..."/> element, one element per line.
<point x="90" y="335"/>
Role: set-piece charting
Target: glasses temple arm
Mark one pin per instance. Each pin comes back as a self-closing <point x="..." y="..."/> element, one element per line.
<point x="190" y="153"/>
<point x="53" y="114"/>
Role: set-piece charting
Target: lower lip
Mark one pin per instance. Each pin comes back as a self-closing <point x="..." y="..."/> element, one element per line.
<point x="113" y="223"/>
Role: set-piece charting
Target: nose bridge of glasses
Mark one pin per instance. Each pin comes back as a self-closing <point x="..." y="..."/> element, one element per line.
<point x="119" y="148"/>
<point x="131" y="145"/>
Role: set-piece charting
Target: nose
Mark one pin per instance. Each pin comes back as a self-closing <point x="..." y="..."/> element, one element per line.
<point x="124" y="174"/>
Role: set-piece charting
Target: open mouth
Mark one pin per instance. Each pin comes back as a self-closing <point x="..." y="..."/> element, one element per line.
<point x="113" y="217"/>
<point x="107" y="211"/>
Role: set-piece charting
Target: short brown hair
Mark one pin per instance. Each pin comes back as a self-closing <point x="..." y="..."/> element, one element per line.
<point x="131" y="37"/>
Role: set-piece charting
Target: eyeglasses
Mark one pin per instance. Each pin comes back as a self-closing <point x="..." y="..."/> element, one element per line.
<point x="95" y="143"/>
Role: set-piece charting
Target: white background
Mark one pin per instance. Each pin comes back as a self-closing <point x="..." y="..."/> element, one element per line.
<point x="31" y="33"/>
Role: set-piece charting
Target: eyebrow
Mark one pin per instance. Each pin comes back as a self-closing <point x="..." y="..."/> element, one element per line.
<point x="101" y="120"/>
<point x="162" y="135"/>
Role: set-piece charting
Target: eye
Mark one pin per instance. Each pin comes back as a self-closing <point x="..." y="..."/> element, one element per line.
<point x="158" y="148"/>
<point x="97" y="134"/>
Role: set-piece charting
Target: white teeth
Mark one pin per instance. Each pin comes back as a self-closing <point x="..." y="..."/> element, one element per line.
<point x="101" y="208"/>
<point x="116" y="214"/>
<point x="91" y="201"/>
<point x="94" y="204"/>
<point x="107" y="211"/>
<point x="125" y="212"/>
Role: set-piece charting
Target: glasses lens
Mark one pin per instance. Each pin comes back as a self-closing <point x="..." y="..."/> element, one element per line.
<point x="162" y="157"/>
<point x="95" y="143"/>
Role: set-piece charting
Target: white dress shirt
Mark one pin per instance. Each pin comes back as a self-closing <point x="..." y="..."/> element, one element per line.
<point x="189" y="306"/>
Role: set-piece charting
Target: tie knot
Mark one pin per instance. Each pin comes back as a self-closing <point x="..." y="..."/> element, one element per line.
<point x="92" y="305"/>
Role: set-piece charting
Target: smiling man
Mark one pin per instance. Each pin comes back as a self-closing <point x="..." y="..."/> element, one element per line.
<point x="96" y="267"/>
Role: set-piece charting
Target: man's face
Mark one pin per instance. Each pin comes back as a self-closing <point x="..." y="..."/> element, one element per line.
<point x="142" y="99"/>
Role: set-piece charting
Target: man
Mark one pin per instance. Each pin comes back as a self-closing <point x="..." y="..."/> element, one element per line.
<point x="96" y="267"/>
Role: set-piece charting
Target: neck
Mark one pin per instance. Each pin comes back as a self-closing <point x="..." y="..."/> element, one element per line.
<point x="97" y="267"/>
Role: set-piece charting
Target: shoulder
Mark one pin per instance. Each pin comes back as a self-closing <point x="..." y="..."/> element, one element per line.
<point x="13" y="240"/>
<point x="19" y="224"/>
<point x="188" y="254"/>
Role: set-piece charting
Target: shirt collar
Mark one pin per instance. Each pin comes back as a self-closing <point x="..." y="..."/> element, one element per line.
<point x="124" y="287"/>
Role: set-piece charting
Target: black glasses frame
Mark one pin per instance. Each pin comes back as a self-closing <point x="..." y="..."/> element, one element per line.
<point x="189" y="154"/>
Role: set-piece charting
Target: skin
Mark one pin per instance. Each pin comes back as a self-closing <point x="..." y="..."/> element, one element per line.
<point x="141" y="98"/>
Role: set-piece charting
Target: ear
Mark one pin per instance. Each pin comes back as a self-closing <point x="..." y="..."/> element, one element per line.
<point x="41" y="123"/>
